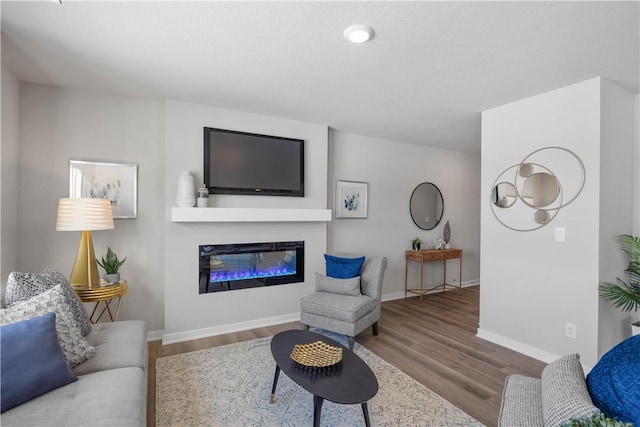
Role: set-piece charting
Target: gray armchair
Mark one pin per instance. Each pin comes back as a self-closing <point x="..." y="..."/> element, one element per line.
<point x="347" y="314"/>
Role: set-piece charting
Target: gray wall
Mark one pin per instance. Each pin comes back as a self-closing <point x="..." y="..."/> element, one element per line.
<point x="393" y="170"/>
<point x="9" y="174"/>
<point x="57" y="124"/>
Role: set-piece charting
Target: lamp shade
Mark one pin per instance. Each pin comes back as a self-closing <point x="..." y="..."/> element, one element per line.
<point x="84" y="214"/>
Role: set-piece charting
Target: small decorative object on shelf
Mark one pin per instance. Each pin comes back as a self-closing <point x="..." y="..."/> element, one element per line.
<point x="316" y="354"/>
<point x="446" y="235"/>
<point x="203" y="196"/>
<point x="416" y="243"/>
<point x="438" y="243"/>
<point x="111" y="264"/>
<point x="186" y="190"/>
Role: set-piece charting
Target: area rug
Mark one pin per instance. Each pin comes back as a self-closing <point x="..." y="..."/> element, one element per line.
<point x="231" y="386"/>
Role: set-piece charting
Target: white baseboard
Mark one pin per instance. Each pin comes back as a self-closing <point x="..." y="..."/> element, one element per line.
<point x="154" y="335"/>
<point x="227" y="329"/>
<point x="518" y="346"/>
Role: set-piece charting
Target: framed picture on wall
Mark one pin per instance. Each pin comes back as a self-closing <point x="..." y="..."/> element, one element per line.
<point x="117" y="182"/>
<point x="351" y="199"/>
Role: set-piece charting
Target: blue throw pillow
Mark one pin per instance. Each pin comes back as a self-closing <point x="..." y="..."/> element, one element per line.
<point x="32" y="362"/>
<point x="343" y="268"/>
<point x="614" y="383"/>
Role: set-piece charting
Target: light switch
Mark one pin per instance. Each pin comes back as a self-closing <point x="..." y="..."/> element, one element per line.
<point x="559" y="234"/>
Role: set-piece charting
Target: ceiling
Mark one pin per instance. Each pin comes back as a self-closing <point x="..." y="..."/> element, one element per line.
<point x="424" y="78"/>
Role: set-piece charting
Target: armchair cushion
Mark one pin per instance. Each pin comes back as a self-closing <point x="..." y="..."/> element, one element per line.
<point x="343" y="268"/>
<point x="338" y="286"/>
<point x="336" y="306"/>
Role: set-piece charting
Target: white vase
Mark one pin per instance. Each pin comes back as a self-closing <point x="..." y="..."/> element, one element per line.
<point x="186" y="190"/>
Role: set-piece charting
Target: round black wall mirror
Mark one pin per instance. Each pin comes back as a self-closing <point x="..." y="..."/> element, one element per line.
<point x="426" y="206"/>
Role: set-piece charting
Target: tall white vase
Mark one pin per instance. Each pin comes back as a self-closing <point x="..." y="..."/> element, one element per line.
<point x="186" y="190"/>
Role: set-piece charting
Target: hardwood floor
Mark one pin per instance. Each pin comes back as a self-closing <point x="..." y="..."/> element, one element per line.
<point x="433" y="341"/>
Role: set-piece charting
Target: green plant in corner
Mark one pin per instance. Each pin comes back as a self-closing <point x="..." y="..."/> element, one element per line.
<point x="600" y="420"/>
<point x="416" y="241"/>
<point x="110" y="262"/>
<point x="623" y="295"/>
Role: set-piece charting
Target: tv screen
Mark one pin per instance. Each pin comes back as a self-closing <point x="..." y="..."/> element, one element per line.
<point x="247" y="163"/>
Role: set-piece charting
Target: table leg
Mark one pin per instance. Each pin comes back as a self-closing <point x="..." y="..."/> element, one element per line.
<point x="317" y="408"/>
<point x="275" y="383"/>
<point x="460" y="276"/>
<point x="406" y="272"/>
<point x="444" y="279"/>
<point x="421" y="278"/>
<point x="365" y="412"/>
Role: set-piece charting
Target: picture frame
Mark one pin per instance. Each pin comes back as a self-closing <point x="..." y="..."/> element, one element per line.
<point x="115" y="181"/>
<point x="351" y="199"/>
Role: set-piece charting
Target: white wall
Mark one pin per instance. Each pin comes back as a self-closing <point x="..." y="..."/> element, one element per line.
<point x="187" y="313"/>
<point x="57" y="124"/>
<point x="393" y="170"/>
<point x="617" y="164"/>
<point x="9" y="174"/>
<point x="531" y="284"/>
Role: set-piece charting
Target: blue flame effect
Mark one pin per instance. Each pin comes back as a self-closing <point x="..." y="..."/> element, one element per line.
<point x="229" y="276"/>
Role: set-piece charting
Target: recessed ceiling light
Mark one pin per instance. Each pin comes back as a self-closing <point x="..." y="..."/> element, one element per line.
<point x="358" y="33"/>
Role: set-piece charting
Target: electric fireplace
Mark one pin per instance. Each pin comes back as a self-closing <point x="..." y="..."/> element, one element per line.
<point x="249" y="265"/>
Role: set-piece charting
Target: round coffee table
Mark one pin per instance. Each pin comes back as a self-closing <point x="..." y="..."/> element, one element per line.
<point x="348" y="382"/>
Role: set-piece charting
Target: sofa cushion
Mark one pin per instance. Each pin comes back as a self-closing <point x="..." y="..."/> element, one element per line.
<point x="564" y="391"/>
<point x="23" y="286"/>
<point x="118" y="345"/>
<point x="336" y="306"/>
<point x="521" y="402"/>
<point x="343" y="268"/>
<point x="116" y="397"/>
<point x="614" y="383"/>
<point x="338" y="286"/>
<point x="32" y="361"/>
<point x="75" y="348"/>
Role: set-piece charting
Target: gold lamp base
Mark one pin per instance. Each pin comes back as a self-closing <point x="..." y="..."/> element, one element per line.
<point x="85" y="269"/>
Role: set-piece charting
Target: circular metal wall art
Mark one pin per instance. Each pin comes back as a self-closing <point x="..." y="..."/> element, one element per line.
<point x="528" y="195"/>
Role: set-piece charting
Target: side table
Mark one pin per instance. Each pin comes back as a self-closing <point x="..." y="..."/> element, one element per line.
<point x="104" y="295"/>
<point x="427" y="255"/>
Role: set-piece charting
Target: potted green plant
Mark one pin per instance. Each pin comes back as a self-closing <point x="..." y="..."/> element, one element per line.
<point x="415" y="243"/>
<point x="111" y="264"/>
<point x="623" y="295"/>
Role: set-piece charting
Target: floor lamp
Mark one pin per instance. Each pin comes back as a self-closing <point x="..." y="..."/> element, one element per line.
<point x="86" y="215"/>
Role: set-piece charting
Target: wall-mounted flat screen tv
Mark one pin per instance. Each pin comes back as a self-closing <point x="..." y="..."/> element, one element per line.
<point x="247" y="163"/>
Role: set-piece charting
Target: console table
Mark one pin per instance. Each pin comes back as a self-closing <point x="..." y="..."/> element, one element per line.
<point x="428" y="255"/>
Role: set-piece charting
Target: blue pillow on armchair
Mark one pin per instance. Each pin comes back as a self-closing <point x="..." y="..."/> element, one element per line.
<point x="343" y="268"/>
<point x="614" y="383"/>
<point x="32" y="362"/>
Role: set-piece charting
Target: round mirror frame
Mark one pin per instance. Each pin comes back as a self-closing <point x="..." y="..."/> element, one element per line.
<point x="439" y="214"/>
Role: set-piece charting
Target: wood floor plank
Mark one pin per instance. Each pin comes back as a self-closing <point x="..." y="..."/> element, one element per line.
<point x="433" y="341"/>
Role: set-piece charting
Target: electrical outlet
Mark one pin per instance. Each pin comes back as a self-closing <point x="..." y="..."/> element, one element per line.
<point x="570" y="330"/>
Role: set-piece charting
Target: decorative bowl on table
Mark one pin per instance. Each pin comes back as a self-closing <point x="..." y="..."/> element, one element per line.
<point x="316" y="354"/>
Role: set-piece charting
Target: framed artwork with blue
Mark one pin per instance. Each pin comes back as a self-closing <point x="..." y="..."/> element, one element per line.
<point x="351" y="199"/>
<point x="117" y="182"/>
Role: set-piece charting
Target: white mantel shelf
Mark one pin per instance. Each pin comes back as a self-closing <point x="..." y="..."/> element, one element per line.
<point x="249" y="215"/>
